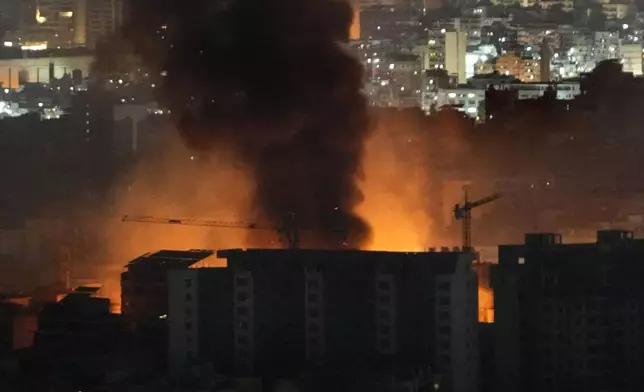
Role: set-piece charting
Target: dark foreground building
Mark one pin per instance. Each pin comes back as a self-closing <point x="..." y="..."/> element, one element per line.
<point x="401" y="318"/>
<point x="570" y="317"/>
<point x="144" y="296"/>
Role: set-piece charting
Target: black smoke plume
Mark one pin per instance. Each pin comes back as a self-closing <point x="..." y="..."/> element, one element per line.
<point x="274" y="81"/>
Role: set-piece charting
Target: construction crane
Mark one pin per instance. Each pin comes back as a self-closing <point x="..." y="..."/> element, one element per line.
<point x="464" y="213"/>
<point x="288" y="231"/>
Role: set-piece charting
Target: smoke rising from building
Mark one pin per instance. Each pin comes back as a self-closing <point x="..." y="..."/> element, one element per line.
<point x="273" y="82"/>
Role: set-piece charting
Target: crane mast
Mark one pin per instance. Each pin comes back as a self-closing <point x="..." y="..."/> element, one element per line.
<point x="464" y="213"/>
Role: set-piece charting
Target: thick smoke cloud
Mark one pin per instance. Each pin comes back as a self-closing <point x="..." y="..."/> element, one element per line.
<point x="272" y="81"/>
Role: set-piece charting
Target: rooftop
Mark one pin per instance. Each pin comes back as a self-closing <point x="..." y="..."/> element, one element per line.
<point x="171" y="258"/>
<point x="445" y="260"/>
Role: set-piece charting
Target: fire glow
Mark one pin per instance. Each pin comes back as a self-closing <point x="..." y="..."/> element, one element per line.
<point x="172" y="184"/>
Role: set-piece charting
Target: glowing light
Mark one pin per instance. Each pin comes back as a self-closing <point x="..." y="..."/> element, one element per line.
<point x="486" y="305"/>
<point x="39" y="18"/>
<point x="8" y="44"/>
<point x="35" y="46"/>
<point x="66" y="14"/>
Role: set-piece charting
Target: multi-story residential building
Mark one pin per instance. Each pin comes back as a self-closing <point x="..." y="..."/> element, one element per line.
<point x="466" y="99"/>
<point x="144" y="287"/>
<point x="501" y="34"/>
<point x="432" y="52"/>
<point x="277" y="313"/>
<point x="524" y="69"/>
<point x="631" y="55"/>
<point x="470" y="98"/>
<point x="536" y="34"/>
<point x="616" y="10"/>
<point x="606" y="46"/>
<point x="61" y="24"/>
<point x="395" y="80"/>
<point x="455" y="51"/>
<point x="569" y="316"/>
<point x="566" y="5"/>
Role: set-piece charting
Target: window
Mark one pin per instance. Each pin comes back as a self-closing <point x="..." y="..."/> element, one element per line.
<point x="242" y="296"/>
<point x="188" y="297"/>
<point x="242" y="311"/>
<point x="312" y="297"/>
<point x="384" y="343"/>
<point x="313" y="327"/>
<point x="242" y="339"/>
<point x="188" y="326"/>
<point x="313" y="312"/>
<point x="312" y="283"/>
<point x="384" y="315"/>
<point x="242" y="281"/>
<point x="443" y="301"/>
<point x="385" y="329"/>
<point x="188" y="282"/>
<point x="383" y="285"/>
<point x="188" y="311"/>
<point x="243" y="326"/>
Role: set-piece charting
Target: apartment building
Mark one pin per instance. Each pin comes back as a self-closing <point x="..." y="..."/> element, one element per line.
<point x="568" y="317"/>
<point x="289" y="311"/>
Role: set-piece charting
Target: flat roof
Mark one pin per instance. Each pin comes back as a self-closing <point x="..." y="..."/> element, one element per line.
<point x="440" y="261"/>
<point x="171" y="258"/>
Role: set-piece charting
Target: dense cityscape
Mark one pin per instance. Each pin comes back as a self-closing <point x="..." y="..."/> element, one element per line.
<point x="290" y="195"/>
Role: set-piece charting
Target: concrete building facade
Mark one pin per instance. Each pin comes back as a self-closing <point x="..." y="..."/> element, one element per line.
<point x="631" y="55"/>
<point x="289" y="311"/>
<point x="455" y="50"/>
<point x="568" y="317"/>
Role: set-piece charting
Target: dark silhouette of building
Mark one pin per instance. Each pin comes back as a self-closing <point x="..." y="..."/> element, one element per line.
<point x="499" y="100"/>
<point x="78" y="340"/>
<point x="144" y="295"/>
<point x="294" y="312"/>
<point x="544" y="61"/>
<point x="144" y="287"/>
<point x="568" y="317"/>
